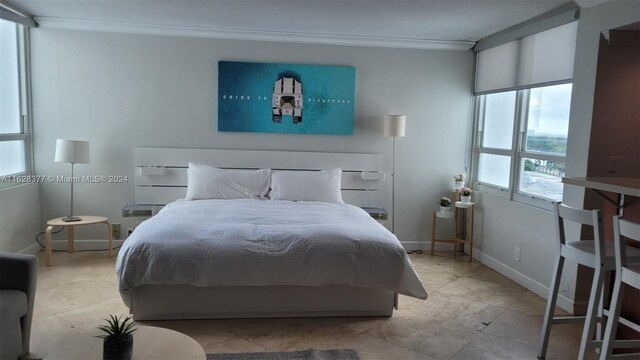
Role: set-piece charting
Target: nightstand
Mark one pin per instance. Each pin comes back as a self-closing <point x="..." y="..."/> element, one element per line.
<point x="377" y="213"/>
<point x="134" y="214"/>
<point x="85" y="220"/>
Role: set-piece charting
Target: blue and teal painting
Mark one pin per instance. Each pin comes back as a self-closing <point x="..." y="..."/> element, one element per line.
<point x="286" y="98"/>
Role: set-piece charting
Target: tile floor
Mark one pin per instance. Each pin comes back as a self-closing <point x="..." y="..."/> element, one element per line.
<point x="472" y="313"/>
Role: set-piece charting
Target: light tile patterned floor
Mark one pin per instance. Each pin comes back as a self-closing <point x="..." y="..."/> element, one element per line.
<point x="472" y="313"/>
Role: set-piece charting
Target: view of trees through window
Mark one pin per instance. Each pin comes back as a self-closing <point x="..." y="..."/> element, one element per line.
<point x="547" y="128"/>
<point x="547" y="143"/>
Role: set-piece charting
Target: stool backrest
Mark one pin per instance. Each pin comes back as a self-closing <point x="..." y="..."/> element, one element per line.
<point x="627" y="229"/>
<point x="579" y="216"/>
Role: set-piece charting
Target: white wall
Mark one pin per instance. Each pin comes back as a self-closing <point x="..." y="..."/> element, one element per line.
<point x="120" y="91"/>
<point x="506" y="224"/>
<point x="19" y="218"/>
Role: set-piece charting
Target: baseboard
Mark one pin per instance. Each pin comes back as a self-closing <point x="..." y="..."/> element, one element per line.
<point x="96" y="244"/>
<point x="78" y="245"/>
<point x="31" y="249"/>
<point x="425" y="246"/>
<point x="537" y="288"/>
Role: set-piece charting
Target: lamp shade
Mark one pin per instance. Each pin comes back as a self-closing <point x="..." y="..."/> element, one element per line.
<point x="72" y="151"/>
<point x="394" y="125"/>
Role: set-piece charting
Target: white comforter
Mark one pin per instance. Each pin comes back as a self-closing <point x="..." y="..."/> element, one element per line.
<point x="265" y="242"/>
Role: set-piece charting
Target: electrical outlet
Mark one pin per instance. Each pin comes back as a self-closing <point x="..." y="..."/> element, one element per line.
<point x="115" y="228"/>
<point x="517" y="254"/>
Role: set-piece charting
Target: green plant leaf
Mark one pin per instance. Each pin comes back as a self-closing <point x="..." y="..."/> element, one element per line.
<point x="118" y="326"/>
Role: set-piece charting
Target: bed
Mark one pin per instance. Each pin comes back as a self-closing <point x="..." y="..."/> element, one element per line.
<point x="261" y="258"/>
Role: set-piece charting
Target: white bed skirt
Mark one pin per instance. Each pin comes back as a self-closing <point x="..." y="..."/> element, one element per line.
<point x="172" y="302"/>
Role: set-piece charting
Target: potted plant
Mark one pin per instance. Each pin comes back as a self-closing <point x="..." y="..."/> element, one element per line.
<point x="118" y="338"/>
<point x="465" y="195"/>
<point x="445" y="203"/>
<point x="458" y="180"/>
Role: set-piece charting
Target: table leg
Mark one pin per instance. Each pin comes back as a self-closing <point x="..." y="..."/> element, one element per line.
<point x="433" y="232"/>
<point x="47" y="244"/>
<point x="455" y="232"/>
<point x="471" y="235"/>
<point x="70" y="239"/>
<point x="463" y="231"/>
<point x="110" y="229"/>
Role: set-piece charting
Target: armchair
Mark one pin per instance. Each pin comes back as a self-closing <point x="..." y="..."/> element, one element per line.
<point x="17" y="293"/>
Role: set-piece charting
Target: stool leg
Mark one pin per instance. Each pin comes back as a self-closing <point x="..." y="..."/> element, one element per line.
<point x="605" y="303"/>
<point x="471" y="236"/>
<point x="592" y="311"/>
<point x="612" y="321"/>
<point x="551" y="305"/>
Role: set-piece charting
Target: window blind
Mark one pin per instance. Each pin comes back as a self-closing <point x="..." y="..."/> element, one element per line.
<point x="543" y="58"/>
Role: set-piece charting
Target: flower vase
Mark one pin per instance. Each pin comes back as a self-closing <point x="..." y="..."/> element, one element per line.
<point x="465" y="199"/>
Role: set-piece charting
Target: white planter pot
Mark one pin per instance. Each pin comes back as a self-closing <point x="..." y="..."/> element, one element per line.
<point x="444" y="209"/>
<point x="465" y="199"/>
<point x="459" y="184"/>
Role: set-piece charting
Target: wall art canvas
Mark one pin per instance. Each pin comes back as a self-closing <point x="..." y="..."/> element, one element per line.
<point x="286" y="98"/>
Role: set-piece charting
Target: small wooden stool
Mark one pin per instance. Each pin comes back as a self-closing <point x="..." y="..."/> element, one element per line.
<point x="441" y="215"/>
<point x="461" y="237"/>
<point x="459" y="230"/>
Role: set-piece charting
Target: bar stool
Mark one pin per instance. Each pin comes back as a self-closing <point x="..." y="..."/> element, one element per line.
<point x="590" y="253"/>
<point x="626" y="273"/>
<point x="586" y="253"/>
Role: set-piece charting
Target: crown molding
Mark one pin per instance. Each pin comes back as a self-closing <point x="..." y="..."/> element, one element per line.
<point x="255" y="35"/>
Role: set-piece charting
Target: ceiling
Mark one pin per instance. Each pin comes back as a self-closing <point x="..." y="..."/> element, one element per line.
<point x="447" y="24"/>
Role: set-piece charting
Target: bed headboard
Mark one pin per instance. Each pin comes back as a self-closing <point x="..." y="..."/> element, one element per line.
<point x="161" y="173"/>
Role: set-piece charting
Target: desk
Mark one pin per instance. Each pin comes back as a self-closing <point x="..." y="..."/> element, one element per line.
<point x="149" y="342"/>
<point x="85" y="220"/>
<point x="620" y="185"/>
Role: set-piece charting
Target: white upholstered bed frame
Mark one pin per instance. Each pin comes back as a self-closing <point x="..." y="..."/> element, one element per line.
<point x="160" y="177"/>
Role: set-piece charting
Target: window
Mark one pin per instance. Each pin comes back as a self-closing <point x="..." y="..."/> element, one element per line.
<point x="521" y="143"/>
<point x="14" y="134"/>
<point x="523" y="86"/>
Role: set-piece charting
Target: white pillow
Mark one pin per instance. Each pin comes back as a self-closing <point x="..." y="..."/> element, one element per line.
<point x="307" y="186"/>
<point x="206" y="182"/>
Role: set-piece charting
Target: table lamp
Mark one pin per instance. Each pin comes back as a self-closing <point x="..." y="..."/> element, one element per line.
<point x="72" y="151"/>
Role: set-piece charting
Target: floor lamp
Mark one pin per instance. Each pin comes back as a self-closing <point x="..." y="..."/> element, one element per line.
<point x="72" y="151"/>
<point x="394" y="126"/>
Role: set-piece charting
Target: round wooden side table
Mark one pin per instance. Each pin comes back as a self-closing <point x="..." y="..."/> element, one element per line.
<point x="84" y="220"/>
